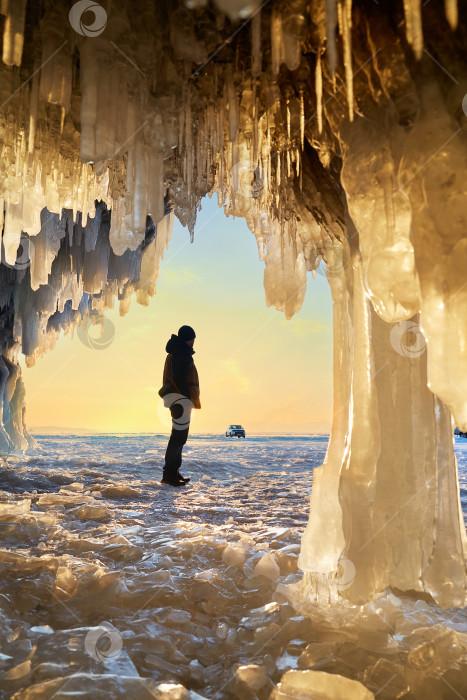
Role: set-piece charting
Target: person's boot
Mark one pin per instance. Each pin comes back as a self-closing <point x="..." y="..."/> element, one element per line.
<point x="172" y="480"/>
<point x="185" y="479"/>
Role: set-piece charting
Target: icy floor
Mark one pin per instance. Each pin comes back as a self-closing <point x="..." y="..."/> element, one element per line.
<point x="188" y="585"/>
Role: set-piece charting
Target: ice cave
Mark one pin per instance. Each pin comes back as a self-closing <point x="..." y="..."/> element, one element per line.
<point x="338" y="131"/>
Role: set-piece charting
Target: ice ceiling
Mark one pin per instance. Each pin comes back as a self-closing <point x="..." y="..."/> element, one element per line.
<point x="338" y="131"/>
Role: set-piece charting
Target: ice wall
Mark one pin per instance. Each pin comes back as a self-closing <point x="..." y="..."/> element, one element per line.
<point x="338" y="130"/>
<point x="65" y="279"/>
<point x="385" y="508"/>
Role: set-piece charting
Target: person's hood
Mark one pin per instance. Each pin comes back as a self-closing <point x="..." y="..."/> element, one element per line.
<point x="177" y="345"/>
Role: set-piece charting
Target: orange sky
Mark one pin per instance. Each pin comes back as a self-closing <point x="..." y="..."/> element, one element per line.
<point x="256" y="368"/>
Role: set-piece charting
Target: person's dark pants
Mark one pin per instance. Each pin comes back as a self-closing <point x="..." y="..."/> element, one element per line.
<point x="173" y="455"/>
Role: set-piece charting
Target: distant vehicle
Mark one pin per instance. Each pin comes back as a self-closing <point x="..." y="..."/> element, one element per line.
<point x="235" y="431"/>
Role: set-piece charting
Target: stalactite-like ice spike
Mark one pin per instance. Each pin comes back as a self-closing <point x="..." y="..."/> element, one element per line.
<point x="331" y="10"/>
<point x="33" y="97"/>
<point x="345" y="20"/>
<point x="13" y="32"/>
<point x="256" y="44"/>
<point x="319" y="93"/>
<point x="302" y="119"/>
<point x="413" y="25"/>
<point x="450" y="10"/>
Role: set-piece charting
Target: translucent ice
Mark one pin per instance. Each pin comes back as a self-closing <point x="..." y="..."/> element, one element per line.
<point x="338" y="145"/>
<point x="316" y="685"/>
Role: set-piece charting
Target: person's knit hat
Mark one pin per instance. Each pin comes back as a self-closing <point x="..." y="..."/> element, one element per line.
<point x="186" y="333"/>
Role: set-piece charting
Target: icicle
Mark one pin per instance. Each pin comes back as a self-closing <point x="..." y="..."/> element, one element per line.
<point x="319" y="93"/>
<point x="233" y="106"/>
<point x="156" y="187"/>
<point x="293" y="30"/>
<point x="199" y="157"/>
<point x="188" y="145"/>
<point x="33" y="97"/>
<point x="90" y="83"/>
<point x="220" y="121"/>
<point x="269" y="164"/>
<point x="277" y="50"/>
<point x="256" y="44"/>
<point x="297" y="161"/>
<point x="331" y="34"/>
<point x="302" y="119"/>
<point x="56" y="65"/>
<point x="345" y="29"/>
<point x="288" y="162"/>
<point x="413" y="25"/>
<point x="288" y="120"/>
<point x="222" y="175"/>
<point x="181" y="128"/>
<point x="450" y="10"/>
<point x="13" y="32"/>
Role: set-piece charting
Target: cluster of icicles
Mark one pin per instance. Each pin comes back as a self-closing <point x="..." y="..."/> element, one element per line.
<point x="162" y="113"/>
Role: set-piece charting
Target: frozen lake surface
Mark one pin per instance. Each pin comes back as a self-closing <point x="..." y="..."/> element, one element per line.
<point x="180" y="577"/>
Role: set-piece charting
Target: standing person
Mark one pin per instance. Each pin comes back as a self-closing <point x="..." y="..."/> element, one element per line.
<point x="180" y="371"/>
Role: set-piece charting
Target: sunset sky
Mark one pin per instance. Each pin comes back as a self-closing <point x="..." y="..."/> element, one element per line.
<point x="256" y="368"/>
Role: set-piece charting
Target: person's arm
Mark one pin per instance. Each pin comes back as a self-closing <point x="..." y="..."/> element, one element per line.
<point x="180" y="367"/>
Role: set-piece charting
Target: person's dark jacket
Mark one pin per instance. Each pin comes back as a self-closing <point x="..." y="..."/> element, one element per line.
<point x="180" y="369"/>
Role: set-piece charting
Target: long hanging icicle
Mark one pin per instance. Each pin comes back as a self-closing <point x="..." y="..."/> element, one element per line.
<point x="33" y="98"/>
<point x="302" y="119"/>
<point x="450" y="10"/>
<point x="256" y="44"/>
<point x="233" y="107"/>
<point x="331" y="13"/>
<point x="188" y="144"/>
<point x="413" y="25"/>
<point x="277" y="49"/>
<point x="319" y="93"/>
<point x="345" y="30"/>
<point x="13" y="32"/>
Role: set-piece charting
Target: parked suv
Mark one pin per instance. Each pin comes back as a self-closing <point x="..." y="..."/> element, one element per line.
<point x="235" y="431"/>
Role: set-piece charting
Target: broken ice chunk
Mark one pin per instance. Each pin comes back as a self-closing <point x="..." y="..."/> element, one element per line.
<point x="75" y="486"/>
<point x="42" y="629"/>
<point x="85" y="685"/>
<point x="16" y="675"/>
<point x="15" y="507"/>
<point x="253" y="675"/>
<point x="233" y="555"/>
<point x="386" y="679"/>
<point x="89" y="511"/>
<point x="317" y="685"/>
<point x="267" y="567"/>
<point x="316" y="651"/>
